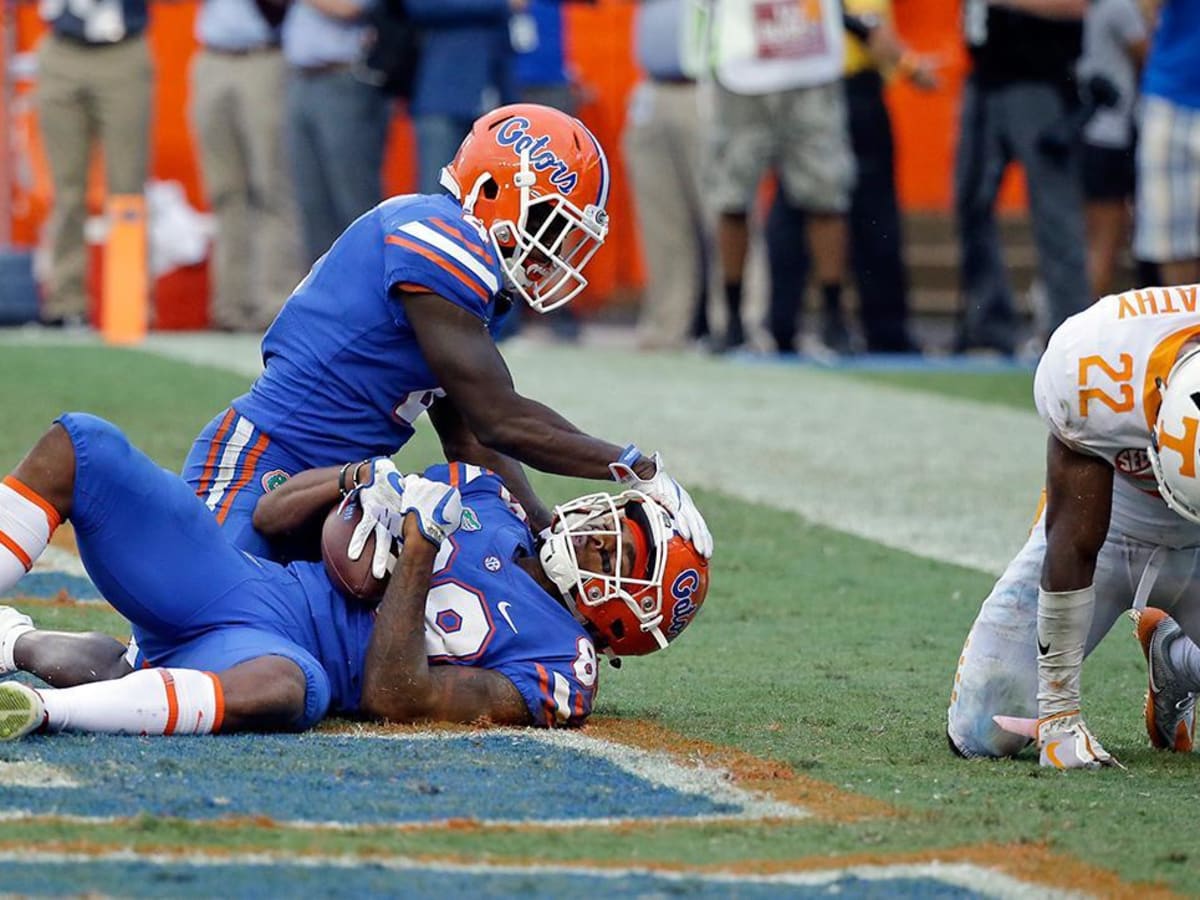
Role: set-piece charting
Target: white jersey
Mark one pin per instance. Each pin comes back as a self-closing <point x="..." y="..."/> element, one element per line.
<point x="1096" y="389"/>
<point x="765" y="46"/>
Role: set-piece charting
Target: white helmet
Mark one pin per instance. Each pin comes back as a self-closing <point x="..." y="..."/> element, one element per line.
<point x="1173" y="438"/>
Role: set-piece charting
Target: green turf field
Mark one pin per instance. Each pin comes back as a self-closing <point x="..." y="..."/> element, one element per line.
<point x="817" y="647"/>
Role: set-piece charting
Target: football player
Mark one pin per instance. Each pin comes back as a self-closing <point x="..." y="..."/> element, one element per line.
<point x="398" y="318"/>
<point x="478" y="622"/>
<point x="1119" y="391"/>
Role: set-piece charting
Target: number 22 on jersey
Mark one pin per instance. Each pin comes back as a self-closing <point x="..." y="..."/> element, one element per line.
<point x="1120" y="375"/>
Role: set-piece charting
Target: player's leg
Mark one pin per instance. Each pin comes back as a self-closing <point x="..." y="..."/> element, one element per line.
<point x="998" y="671"/>
<point x="60" y="658"/>
<point x="34" y="499"/>
<point x="230" y="466"/>
<point x="262" y="694"/>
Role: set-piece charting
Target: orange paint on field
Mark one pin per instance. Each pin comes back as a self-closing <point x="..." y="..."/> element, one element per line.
<point x="776" y="779"/>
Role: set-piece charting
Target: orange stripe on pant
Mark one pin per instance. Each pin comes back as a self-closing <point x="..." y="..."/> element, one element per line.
<point x="248" y="465"/>
<point x="219" y="709"/>
<point x="36" y="499"/>
<point x="206" y="478"/>
<point x="172" y="701"/>
<point x="13" y="547"/>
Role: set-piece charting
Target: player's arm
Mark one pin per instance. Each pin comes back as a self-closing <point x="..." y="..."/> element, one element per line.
<point x="398" y="683"/>
<point x="1078" y="507"/>
<point x="304" y="497"/>
<point x="463" y="356"/>
<point x="460" y="444"/>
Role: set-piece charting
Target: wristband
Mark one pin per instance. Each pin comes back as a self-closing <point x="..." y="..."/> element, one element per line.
<point x="342" y="488"/>
<point x="630" y="456"/>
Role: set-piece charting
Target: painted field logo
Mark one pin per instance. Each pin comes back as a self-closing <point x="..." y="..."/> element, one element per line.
<point x="515" y="134"/>
<point x="273" y="479"/>
<point x="1134" y="462"/>
<point x="684" y="610"/>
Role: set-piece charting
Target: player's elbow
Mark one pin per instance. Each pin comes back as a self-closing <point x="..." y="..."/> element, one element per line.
<point x="399" y="706"/>
<point x="501" y="433"/>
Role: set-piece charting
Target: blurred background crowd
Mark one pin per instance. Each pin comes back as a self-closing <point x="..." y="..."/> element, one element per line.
<point x="825" y="177"/>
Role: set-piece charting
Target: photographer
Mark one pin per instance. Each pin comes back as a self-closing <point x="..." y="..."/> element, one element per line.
<point x="1021" y="84"/>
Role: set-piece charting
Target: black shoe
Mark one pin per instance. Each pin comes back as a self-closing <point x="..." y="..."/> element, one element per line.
<point x="734" y="337"/>
<point x="834" y="333"/>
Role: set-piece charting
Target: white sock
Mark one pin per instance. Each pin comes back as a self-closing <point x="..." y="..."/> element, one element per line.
<point x="13" y="624"/>
<point x="149" y="701"/>
<point x="1185" y="659"/>
<point x="26" y="523"/>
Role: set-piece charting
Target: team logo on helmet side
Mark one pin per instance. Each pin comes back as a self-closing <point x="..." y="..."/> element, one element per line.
<point x="685" y="609"/>
<point x="515" y="134"/>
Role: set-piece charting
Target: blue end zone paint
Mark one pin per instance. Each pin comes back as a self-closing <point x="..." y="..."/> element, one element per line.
<point x="339" y="778"/>
<point x="46" y="585"/>
<point x="139" y="879"/>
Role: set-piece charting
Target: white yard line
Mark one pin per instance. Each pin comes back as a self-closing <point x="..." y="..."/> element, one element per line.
<point x="946" y="479"/>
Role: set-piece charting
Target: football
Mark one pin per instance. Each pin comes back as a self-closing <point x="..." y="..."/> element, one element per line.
<point x="352" y="577"/>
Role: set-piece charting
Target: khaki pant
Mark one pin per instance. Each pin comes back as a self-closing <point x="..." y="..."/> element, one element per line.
<point x="237" y="109"/>
<point x="89" y="94"/>
<point x="663" y="144"/>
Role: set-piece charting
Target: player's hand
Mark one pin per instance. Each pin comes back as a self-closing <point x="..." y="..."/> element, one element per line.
<point x="437" y="507"/>
<point x="1064" y="741"/>
<point x="380" y="497"/>
<point x="677" y="501"/>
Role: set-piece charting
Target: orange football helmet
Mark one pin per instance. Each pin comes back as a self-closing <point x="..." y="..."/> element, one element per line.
<point x="643" y="603"/>
<point x="538" y="181"/>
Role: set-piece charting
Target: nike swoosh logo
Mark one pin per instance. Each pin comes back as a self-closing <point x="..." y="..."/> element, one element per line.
<point x="503" y="606"/>
<point x="1051" y="752"/>
<point x="1043" y="649"/>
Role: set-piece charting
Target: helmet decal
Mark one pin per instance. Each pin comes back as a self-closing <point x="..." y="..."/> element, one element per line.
<point x="515" y="134"/>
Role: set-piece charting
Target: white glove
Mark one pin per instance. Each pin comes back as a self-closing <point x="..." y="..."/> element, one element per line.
<point x="1064" y="740"/>
<point x="383" y="514"/>
<point x="670" y="493"/>
<point x="438" y="507"/>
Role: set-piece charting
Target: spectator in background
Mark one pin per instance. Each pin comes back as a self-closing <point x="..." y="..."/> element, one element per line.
<point x="466" y="68"/>
<point x="1021" y="84"/>
<point x="336" y="122"/>
<point x="237" y="103"/>
<point x="1115" y="41"/>
<point x="543" y="76"/>
<point x="95" y="82"/>
<point x="663" y="138"/>
<point x="779" y="100"/>
<point x="876" y="234"/>
<point x="1167" y="219"/>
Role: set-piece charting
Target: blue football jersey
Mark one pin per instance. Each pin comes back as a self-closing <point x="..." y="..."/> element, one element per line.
<point x="483" y="610"/>
<point x="344" y="376"/>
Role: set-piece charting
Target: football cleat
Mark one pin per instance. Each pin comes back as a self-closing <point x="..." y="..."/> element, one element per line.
<point x="21" y="710"/>
<point x="1065" y="742"/>
<point x="1170" y="707"/>
<point x="13" y="624"/>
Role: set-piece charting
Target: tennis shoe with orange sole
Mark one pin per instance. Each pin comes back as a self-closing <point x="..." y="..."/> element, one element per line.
<point x="1170" y="706"/>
